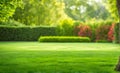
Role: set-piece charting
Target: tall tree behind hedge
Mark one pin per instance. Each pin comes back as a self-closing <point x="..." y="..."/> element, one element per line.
<point x="40" y="12"/>
<point x="86" y="9"/>
<point x="7" y="8"/>
<point x="112" y="8"/>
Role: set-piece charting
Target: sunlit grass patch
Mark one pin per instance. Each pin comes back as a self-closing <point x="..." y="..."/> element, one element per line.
<point x="33" y="57"/>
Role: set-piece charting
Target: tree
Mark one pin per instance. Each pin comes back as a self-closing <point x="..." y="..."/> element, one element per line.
<point x="118" y="8"/>
<point x="40" y="12"/>
<point x="7" y="8"/>
<point x="112" y="8"/>
<point x="86" y="9"/>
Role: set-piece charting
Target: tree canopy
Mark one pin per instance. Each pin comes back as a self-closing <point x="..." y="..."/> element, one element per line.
<point x="40" y="12"/>
<point x="112" y="8"/>
<point x="7" y="8"/>
<point x="86" y="9"/>
<point x="51" y="12"/>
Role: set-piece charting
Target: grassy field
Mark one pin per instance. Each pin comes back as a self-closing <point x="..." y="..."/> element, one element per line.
<point x="34" y="57"/>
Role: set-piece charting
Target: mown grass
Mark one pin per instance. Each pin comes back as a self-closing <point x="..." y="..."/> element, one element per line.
<point x="34" y="57"/>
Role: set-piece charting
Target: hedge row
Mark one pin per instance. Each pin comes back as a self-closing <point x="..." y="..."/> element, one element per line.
<point x="25" y="33"/>
<point x="63" y="39"/>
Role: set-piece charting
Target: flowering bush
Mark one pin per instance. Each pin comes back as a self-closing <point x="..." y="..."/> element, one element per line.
<point x="85" y="31"/>
<point x="111" y="33"/>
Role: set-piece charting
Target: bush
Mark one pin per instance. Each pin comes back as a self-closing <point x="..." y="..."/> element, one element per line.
<point x="102" y="32"/>
<point x="111" y="33"/>
<point x="65" y="28"/>
<point x="63" y="39"/>
<point x="25" y="33"/>
<point x="85" y="31"/>
<point x="117" y="40"/>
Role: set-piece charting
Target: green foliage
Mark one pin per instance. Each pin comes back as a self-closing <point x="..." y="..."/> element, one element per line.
<point x="24" y="33"/>
<point x="99" y="22"/>
<point x="40" y="12"/>
<point x="117" y="38"/>
<point x="65" y="28"/>
<point x="12" y="23"/>
<point x="112" y="8"/>
<point x="86" y="9"/>
<point x="96" y="30"/>
<point x="7" y="8"/>
<point x="63" y="39"/>
<point x="102" y="32"/>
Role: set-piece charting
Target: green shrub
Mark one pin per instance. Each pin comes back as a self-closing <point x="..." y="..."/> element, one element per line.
<point x="65" y="28"/>
<point x="117" y="40"/>
<point x="25" y="33"/>
<point x="63" y="39"/>
<point x="102" y="32"/>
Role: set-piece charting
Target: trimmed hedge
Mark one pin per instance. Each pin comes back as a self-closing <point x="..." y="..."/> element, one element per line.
<point x="63" y="39"/>
<point x="25" y="33"/>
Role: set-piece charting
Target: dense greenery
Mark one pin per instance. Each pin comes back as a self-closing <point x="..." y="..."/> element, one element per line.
<point x="112" y="8"/>
<point x="95" y="31"/>
<point x="50" y="12"/>
<point x="63" y="14"/>
<point x="11" y="22"/>
<point x="59" y="21"/>
<point x="84" y="10"/>
<point x="25" y="33"/>
<point x="117" y="33"/>
<point x="7" y="8"/>
<point x="34" y="57"/>
<point x="63" y="39"/>
<point x="40" y="12"/>
<point x="65" y="28"/>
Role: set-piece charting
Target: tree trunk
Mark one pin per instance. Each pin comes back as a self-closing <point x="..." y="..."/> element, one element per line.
<point x="118" y="5"/>
<point x="118" y="65"/>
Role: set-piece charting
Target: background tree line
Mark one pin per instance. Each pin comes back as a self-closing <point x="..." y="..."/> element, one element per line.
<point x="51" y="12"/>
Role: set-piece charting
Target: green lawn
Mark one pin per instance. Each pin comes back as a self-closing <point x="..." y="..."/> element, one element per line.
<point x="34" y="57"/>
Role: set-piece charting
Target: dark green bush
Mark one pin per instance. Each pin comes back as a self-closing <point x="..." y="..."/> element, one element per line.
<point x="117" y="40"/>
<point x="25" y="33"/>
<point x="63" y="39"/>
